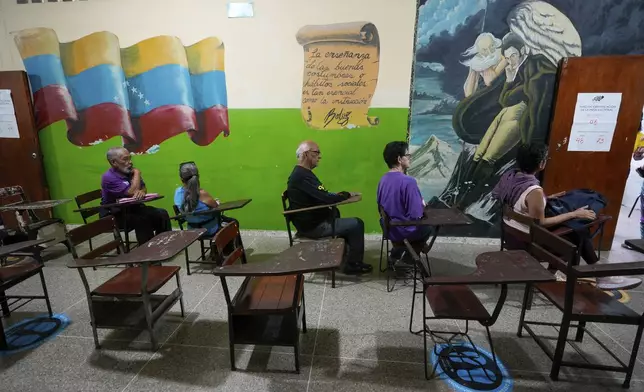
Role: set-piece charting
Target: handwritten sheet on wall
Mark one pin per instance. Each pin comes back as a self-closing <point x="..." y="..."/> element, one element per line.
<point x="594" y="121"/>
<point x="341" y="64"/>
<point x="8" y="124"/>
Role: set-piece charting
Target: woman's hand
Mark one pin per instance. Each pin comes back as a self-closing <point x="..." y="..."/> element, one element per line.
<point x="556" y="195"/>
<point x="585" y="214"/>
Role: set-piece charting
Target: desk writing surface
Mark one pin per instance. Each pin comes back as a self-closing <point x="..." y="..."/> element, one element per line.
<point x="311" y="256"/>
<point x="34" y="205"/>
<point x="162" y="247"/>
<point x="501" y="267"/>
<point x="9" y="249"/>
<point x="438" y="217"/>
<point x="352" y="199"/>
<point x="121" y="205"/>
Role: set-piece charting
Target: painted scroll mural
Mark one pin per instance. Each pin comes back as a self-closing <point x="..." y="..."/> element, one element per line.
<point x="484" y="82"/>
<point x="145" y="93"/>
<point x="341" y="63"/>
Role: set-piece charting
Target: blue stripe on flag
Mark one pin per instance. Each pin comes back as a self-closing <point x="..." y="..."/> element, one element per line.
<point x="44" y="70"/>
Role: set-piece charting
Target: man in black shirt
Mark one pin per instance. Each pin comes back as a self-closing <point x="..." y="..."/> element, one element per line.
<point x="305" y="190"/>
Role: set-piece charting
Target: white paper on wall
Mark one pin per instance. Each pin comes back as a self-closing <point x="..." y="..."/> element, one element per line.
<point x="594" y="121"/>
<point x="8" y="123"/>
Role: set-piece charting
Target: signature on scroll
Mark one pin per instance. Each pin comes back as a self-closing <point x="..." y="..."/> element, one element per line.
<point x="341" y="117"/>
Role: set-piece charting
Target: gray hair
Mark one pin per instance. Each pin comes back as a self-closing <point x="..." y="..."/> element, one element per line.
<point x="114" y="152"/>
<point x="190" y="177"/>
<point x="302" y="148"/>
<point x="472" y="50"/>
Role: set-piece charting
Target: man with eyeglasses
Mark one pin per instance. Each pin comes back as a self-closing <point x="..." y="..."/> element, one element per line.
<point x="305" y="190"/>
<point x="400" y="197"/>
<point x="123" y="180"/>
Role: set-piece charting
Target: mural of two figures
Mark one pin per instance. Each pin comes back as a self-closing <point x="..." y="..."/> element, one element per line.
<point x="485" y="73"/>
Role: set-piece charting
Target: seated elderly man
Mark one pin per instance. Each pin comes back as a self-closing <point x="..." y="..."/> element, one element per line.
<point x="305" y="190"/>
<point x="399" y="196"/>
<point x="124" y="180"/>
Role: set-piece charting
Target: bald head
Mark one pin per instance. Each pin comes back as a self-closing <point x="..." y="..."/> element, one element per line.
<point x="308" y="154"/>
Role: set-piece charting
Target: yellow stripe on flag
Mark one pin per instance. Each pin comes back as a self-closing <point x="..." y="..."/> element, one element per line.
<point x="205" y="56"/>
<point x="35" y="42"/>
<point x="88" y="52"/>
<point x="152" y="53"/>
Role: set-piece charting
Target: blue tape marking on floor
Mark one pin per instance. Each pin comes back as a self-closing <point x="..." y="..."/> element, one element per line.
<point x="32" y="332"/>
<point x="465" y="370"/>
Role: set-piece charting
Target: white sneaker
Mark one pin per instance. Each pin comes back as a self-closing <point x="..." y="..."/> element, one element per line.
<point x="618" y="283"/>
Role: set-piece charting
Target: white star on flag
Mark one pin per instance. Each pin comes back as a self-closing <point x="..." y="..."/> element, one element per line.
<point x="134" y="90"/>
<point x="116" y="99"/>
<point x="140" y="95"/>
<point x="147" y="103"/>
<point x="126" y="84"/>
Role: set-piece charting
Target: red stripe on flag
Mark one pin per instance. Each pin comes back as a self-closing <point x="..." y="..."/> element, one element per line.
<point x="161" y="124"/>
<point x="51" y="104"/>
<point x="99" y="123"/>
<point x="212" y="122"/>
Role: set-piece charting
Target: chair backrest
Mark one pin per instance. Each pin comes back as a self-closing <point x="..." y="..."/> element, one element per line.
<point x="552" y="249"/>
<point x="177" y="211"/>
<point x="90" y="231"/>
<point x="507" y="230"/>
<point x="226" y="245"/>
<point x="422" y="264"/>
<point x="86" y="198"/>
<point x="287" y="218"/>
<point x="386" y="220"/>
<point x="12" y="194"/>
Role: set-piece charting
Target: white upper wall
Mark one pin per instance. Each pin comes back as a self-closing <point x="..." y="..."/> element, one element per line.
<point x="263" y="60"/>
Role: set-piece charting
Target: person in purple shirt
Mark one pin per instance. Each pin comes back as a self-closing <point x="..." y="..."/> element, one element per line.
<point x="399" y="196"/>
<point x="124" y="180"/>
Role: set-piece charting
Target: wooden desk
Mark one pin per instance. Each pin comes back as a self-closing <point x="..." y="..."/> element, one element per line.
<point x="301" y="258"/>
<point x="227" y="206"/>
<point x="437" y="218"/>
<point x="7" y="250"/>
<point x="352" y="199"/>
<point x="161" y="248"/>
<point x="34" y="205"/>
<point x="502" y="267"/>
<point x="129" y="300"/>
<point x="269" y="306"/>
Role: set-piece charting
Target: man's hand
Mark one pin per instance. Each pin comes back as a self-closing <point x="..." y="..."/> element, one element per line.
<point x="355" y="194"/>
<point x="138" y="195"/>
<point x="556" y="195"/>
<point x="136" y="172"/>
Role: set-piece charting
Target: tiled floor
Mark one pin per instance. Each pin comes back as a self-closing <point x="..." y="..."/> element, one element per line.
<point x="358" y="338"/>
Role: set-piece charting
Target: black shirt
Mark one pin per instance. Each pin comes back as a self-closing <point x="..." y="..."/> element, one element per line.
<point x="304" y="189"/>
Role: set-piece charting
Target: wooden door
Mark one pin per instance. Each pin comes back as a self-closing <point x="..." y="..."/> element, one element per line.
<point x="604" y="172"/>
<point x="20" y="159"/>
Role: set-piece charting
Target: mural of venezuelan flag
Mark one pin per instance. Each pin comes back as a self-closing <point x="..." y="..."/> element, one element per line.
<point x="146" y="93"/>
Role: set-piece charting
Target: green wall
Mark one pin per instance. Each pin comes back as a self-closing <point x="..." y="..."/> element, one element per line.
<point x="253" y="162"/>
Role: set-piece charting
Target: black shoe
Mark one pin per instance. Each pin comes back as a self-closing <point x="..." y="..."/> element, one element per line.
<point x="357" y="269"/>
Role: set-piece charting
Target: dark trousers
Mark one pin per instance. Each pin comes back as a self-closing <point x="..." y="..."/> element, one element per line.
<point x="584" y="244"/>
<point x="420" y="236"/>
<point x="146" y="221"/>
<point x="351" y="229"/>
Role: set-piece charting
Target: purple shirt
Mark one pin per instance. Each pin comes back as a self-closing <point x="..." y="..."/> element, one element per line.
<point x="114" y="185"/>
<point x="399" y="196"/>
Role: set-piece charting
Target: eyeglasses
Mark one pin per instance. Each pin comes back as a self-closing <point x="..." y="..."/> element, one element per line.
<point x="186" y="163"/>
<point x="315" y="151"/>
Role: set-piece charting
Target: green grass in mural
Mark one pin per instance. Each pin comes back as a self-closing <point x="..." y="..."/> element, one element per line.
<point x="253" y="162"/>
